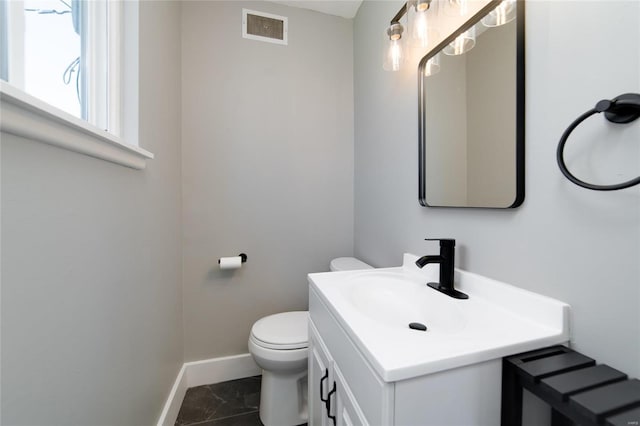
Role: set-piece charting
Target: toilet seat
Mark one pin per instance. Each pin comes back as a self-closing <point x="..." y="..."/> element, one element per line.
<point x="283" y="331"/>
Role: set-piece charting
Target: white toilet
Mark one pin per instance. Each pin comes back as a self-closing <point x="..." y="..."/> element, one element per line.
<point x="278" y="344"/>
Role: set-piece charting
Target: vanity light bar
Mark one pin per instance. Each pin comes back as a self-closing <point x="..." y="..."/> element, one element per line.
<point x="497" y="13"/>
<point x="399" y="15"/>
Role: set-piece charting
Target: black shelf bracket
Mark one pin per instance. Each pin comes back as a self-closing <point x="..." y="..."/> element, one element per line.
<point x="578" y="391"/>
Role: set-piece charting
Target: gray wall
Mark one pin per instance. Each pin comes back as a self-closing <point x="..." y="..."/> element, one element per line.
<point x="267" y="166"/>
<point x="580" y="246"/>
<point x="91" y="300"/>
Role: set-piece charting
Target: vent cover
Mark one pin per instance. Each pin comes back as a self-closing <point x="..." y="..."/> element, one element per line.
<point x="264" y="27"/>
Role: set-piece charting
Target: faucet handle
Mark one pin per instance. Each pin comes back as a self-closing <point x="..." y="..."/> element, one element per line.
<point x="444" y="242"/>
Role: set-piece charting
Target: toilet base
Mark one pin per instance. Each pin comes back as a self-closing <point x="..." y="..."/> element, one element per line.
<point x="283" y="399"/>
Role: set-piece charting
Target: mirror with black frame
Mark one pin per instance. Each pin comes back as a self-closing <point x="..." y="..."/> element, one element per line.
<point x="471" y="113"/>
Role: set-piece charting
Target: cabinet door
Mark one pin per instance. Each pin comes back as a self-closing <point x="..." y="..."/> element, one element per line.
<point x="346" y="411"/>
<point x="320" y="378"/>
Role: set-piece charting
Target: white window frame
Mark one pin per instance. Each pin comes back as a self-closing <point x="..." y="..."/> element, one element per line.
<point x="24" y="115"/>
<point x="102" y="19"/>
<point x="115" y="27"/>
<point x="3" y="41"/>
<point x="14" y="49"/>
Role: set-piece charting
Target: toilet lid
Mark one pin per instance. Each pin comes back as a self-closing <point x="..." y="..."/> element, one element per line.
<point x="287" y="330"/>
<point x="348" y="264"/>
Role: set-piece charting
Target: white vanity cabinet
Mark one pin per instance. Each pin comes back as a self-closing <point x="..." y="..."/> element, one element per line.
<point x="341" y="383"/>
<point x="320" y="375"/>
<point x="331" y="402"/>
<point x="387" y="373"/>
<point x="361" y="397"/>
<point x="347" y="411"/>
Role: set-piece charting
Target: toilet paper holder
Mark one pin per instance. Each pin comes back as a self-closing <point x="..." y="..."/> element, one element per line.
<point x="243" y="258"/>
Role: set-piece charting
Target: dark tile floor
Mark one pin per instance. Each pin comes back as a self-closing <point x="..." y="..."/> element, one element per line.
<point x="232" y="403"/>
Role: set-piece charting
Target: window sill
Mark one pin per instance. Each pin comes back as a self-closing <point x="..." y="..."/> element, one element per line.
<point x="23" y="115"/>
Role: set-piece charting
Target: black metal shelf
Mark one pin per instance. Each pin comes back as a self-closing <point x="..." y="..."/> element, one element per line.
<point x="578" y="391"/>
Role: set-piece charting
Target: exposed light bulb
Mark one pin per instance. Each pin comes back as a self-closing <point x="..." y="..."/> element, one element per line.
<point x="501" y="14"/>
<point x="421" y="29"/>
<point x="395" y="31"/>
<point x="421" y="17"/>
<point x="462" y="6"/>
<point x="394" y="55"/>
<point x="432" y="66"/>
<point x="462" y="43"/>
<point x="458" y="45"/>
<point x="504" y="13"/>
<point x="422" y="5"/>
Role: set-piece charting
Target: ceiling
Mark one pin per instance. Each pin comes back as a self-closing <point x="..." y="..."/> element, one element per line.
<point x="344" y="8"/>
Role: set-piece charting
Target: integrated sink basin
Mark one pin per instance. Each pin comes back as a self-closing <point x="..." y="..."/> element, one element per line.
<point x="394" y="300"/>
<point x="376" y="307"/>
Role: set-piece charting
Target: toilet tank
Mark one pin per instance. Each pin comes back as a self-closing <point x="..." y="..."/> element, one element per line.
<point x="348" y="264"/>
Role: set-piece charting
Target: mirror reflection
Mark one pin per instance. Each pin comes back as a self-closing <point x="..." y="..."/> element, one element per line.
<point x="471" y="116"/>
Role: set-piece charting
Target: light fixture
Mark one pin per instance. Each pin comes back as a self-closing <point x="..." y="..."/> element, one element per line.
<point x="432" y="66"/>
<point x="420" y="17"/>
<point x="457" y="7"/>
<point x="394" y="57"/>
<point x="504" y="13"/>
<point x="462" y="44"/>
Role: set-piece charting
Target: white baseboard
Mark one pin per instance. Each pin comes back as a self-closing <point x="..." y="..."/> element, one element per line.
<point x="205" y="372"/>
<point x="174" y="401"/>
<point x="218" y="370"/>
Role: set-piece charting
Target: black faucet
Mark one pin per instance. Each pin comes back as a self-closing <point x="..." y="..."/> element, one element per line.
<point x="446" y="261"/>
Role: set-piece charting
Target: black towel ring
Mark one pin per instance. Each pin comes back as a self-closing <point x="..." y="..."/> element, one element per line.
<point x="622" y="109"/>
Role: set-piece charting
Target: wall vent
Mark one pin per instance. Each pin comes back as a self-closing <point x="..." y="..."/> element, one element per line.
<point x="264" y="27"/>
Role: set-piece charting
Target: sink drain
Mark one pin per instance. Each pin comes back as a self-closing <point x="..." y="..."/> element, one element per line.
<point x="418" y="326"/>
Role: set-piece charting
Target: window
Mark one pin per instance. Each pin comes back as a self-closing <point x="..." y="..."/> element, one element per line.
<point x="69" y="54"/>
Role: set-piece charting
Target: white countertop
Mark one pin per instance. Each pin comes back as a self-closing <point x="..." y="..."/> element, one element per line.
<point x="497" y="320"/>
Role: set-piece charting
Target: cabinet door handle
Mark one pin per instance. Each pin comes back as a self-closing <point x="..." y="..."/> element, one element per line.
<point x="333" y="418"/>
<point x="325" y="377"/>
